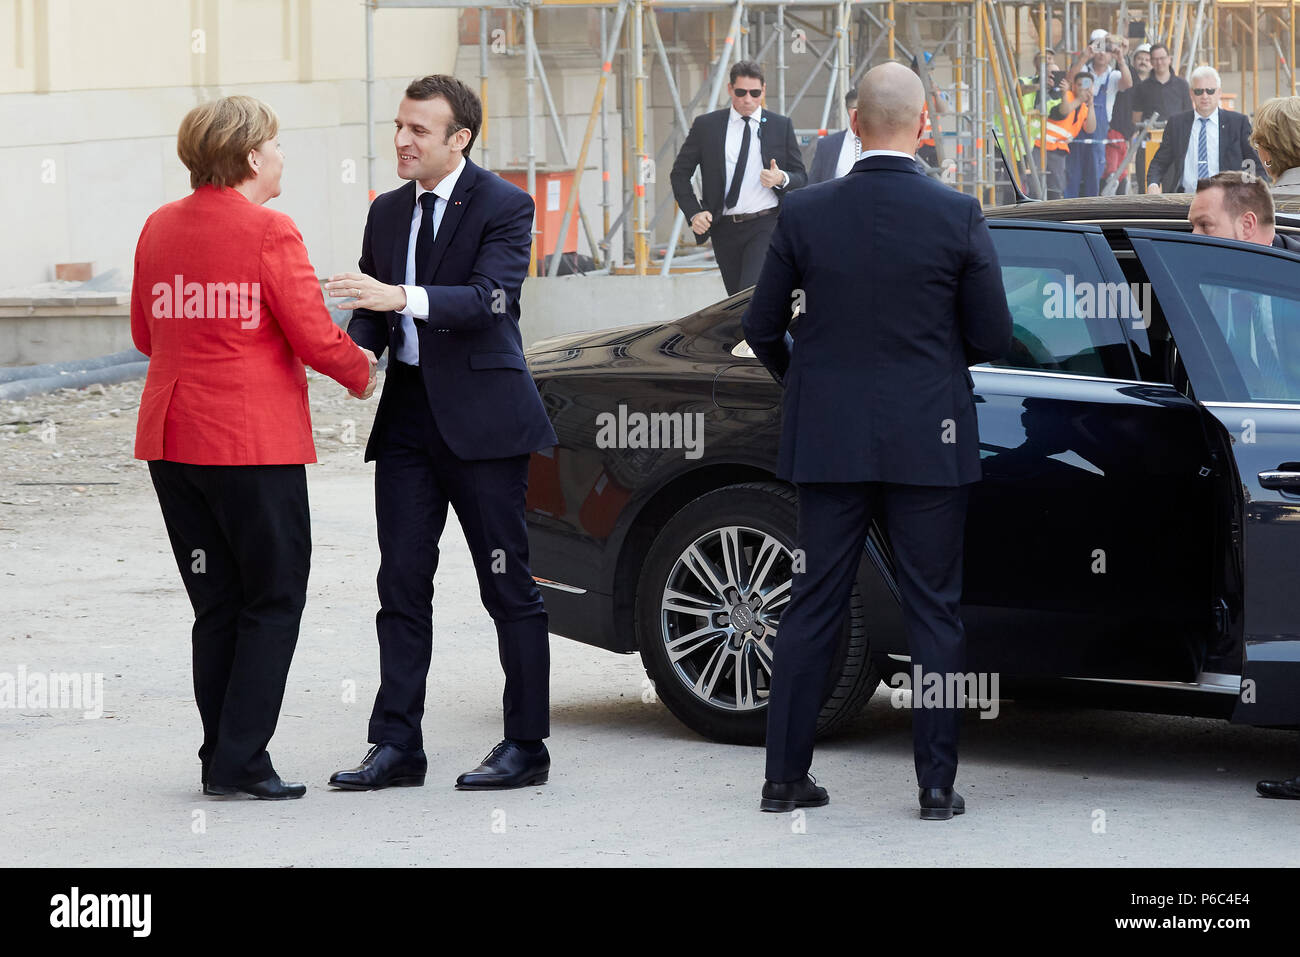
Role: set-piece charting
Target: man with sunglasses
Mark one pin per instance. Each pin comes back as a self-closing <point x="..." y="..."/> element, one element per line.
<point x="748" y="159"/>
<point x="1203" y="141"/>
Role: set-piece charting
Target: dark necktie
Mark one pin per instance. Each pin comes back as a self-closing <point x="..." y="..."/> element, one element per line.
<point x="1203" y="151"/>
<point x="424" y="238"/>
<point x="423" y="250"/>
<point x="733" y="193"/>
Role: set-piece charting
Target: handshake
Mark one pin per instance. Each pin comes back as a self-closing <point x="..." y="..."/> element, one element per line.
<point x="370" y="384"/>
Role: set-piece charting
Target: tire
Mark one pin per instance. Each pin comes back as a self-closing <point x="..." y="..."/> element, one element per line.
<point x="703" y="682"/>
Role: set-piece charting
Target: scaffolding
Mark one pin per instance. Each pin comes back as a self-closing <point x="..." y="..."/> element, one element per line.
<point x="970" y="55"/>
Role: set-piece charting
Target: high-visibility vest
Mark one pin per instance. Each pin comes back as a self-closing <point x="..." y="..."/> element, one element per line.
<point x="1067" y="128"/>
<point x="1059" y="132"/>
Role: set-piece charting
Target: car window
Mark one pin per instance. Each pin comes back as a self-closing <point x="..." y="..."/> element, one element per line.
<point x="1065" y="315"/>
<point x="1246" y="306"/>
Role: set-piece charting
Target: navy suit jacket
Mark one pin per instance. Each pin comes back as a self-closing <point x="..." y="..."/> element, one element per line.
<point x="901" y="291"/>
<point x="826" y="156"/>
<point x="1234" y="149"/>
<point x="471" y="352"/>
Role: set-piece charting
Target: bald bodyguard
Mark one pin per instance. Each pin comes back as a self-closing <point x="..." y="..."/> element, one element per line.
<point x="902" y="291"/>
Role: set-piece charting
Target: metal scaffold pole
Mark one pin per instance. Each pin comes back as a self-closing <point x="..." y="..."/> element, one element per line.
<point x="529" y="82"/>
<point x="820" y="49"/>
<point x="640" y="228"/>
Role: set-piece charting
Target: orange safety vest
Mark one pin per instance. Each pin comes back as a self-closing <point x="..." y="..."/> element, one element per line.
<point x="1061" y="132"/>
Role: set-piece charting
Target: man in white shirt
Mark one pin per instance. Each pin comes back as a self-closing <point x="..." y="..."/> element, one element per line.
<point x="748" y="160"/>
<point x="1202" y="141"/>
<point x="443" y="259"/>
<point x="1108" y="64"/>
<point x="836" y="153"/>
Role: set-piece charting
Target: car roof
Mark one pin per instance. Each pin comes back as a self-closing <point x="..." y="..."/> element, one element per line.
<point x="1167" y="211"/>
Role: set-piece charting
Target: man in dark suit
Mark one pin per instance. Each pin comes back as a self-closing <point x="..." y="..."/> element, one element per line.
<point x="748" y="160"/>
<point x="1203" y="141"/>
<point x="901" y="290"/>
<point x="835" y="154"/>
<point x="442" y="263"/>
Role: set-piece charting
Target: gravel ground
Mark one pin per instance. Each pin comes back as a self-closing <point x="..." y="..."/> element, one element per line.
<point x="89" y="585"/>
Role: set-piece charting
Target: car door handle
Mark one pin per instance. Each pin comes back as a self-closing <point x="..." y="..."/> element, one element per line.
<point x="1284" y="478"/>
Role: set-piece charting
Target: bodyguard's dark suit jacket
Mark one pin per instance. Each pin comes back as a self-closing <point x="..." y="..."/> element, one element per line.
<point x="826" y="156"/>
<point x="471" y="352"/>
<point x="902" y="292"/>
<point x="1234" y="148"/>
<point x="705" y="148"/>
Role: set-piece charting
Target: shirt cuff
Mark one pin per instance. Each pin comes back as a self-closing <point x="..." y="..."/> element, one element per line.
<point x="787" y="179"/>
<point x="417" y="302"/>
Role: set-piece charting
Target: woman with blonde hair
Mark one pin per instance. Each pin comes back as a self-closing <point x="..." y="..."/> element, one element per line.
<point x="1276" y="138"/>
<point x="228" y="308"/>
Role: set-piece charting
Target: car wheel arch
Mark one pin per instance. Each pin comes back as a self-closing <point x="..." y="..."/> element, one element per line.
<point x="879" y="591"/>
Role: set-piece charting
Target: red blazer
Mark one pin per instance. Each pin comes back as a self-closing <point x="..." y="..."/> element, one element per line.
<point x="228" y="308"/>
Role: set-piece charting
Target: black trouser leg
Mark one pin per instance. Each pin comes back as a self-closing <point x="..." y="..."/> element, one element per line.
<point x="410" y="512"/>
<point x="833" y="522"/>
<point x="488" y="496"/>
<point x="756" y="243"/>
<point x="211" y="580"/>
<point x="729" y="251"/>
<point x="242" y="540"/>
<point x="926" y="527"/>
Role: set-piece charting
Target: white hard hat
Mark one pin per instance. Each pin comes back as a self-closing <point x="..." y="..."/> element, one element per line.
<point x="1099" y="34"/>
<point x="1143" y="48"/>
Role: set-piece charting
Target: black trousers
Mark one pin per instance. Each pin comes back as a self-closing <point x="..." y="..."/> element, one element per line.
<point x="1057" y="160"/>
<point x="416" y="477"/>
<point x="241" y="535"/>
<point x="926" y="529"/>
<point x="740" y="249"/>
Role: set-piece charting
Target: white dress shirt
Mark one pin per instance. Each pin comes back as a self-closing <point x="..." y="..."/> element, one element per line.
<point x="1211" y="149"/>
<point x="850" y="153"/>
<point x="908" y="156"/>
<point x="417" y="300"/>
<point x="754" y="196"/>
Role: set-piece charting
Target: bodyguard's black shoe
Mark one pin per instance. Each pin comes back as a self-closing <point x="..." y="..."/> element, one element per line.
<point x="788" y="795"/>
<point x="507" y="765"/>
<point x="1280" y="789"/>
<point x="940" y="804"/>
<point x="384" y="766"/>
<point x="272" y="789"/>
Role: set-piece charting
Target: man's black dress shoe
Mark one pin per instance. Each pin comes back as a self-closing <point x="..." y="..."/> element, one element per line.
<point x="384" y="766"/>
<point x="507" y="765"/>
<point x="788" y="795"/>
<point x="1280" y="789"/>
<point x="272" y="789"/>
<point x="940" y="804"/>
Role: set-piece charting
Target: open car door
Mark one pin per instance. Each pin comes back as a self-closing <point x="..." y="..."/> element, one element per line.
<point x="1234" y="312"/>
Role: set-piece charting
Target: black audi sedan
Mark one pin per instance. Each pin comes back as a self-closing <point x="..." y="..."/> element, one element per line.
<point x="1137" y="529"/>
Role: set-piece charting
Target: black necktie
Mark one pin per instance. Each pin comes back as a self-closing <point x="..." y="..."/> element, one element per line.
<point x="733" y="193"/>
<point x="424" y="238"/>
<point x="423" y="250"/>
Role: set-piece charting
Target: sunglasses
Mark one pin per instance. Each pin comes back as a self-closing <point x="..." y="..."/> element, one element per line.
<point x="1206" y="90"/>
<point x="743" y="93"/>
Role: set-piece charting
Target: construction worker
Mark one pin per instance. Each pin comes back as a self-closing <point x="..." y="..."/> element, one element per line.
<point x="1078" y="116"/>
<point x="1031" y="85"/>
<point x="1065" y="121"/>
